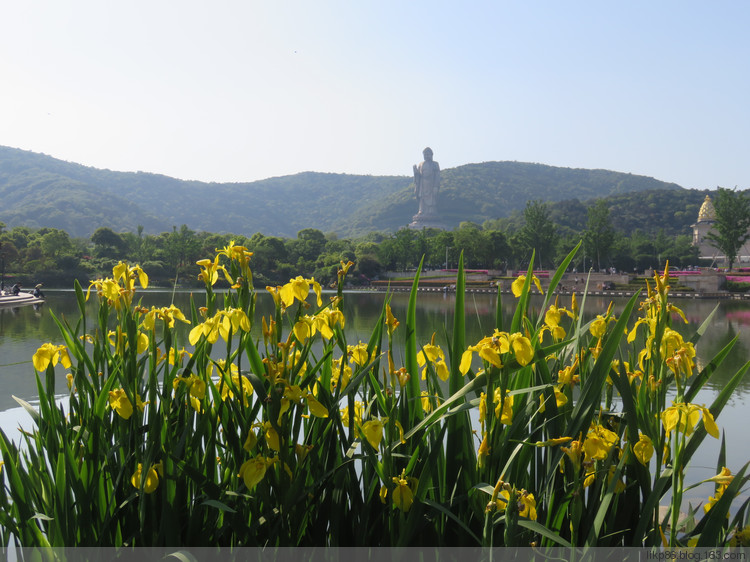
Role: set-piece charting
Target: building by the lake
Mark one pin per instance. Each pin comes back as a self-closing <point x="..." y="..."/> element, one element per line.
<point x="706" y="220"/>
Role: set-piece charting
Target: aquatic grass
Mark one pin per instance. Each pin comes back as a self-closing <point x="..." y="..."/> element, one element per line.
<point x="556" y="432"/>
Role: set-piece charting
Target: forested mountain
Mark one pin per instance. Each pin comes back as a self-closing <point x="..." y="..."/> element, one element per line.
<point x="37" y="190"/>
<point x="652" y="211"/>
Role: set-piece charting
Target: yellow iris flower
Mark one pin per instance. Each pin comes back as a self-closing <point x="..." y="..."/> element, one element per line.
<point x="434" y="354"/>
<point x="724" y="478"/>
<point x="503" y="408"/>
<point x="272" y="437"/>
<point x="483" y="452"/>
<point x="118" y="339"/>
<point x="326" y="320"/>
<point x="643" y="449"/>
<point x="304" y="329"/>
<point x="151" y="481"/>
<point x="340" y="374"/>
<point x="373" y="431"/>
<point x="210" y="271"/>
<point x="490" y="349"/>
<point x="520" y="281"/>
<point x="426" y="402"/>
<point x="51" y="354"/>
<point x="341" y="273"/>
<point x="560" y="399"/>
<point x="525" y="501"/>
<point x="599" y="442"/>
<point x="358" y="353"/>
<point x="240" y="384"/>
<point x="209" y="329"/>
<point x="567" y="376"/>
<point x="316" y="408"/>
<point x="741" y="537"/>
<point x="574" y="453"/>
<point x="390" y="320"/>
<point x="683" y="418"/>
<point x="166" y="313"/>
<point x="403" y="496"/>
<point x="240" y="254"/>
<point x="522" y="348"/>
<point x="359" y="409"/>
<point x="196" y="389"/>
<point x="107" y="288"/>
<point x="275" y="292"/>
<point x="126" y="274"/>
<point x="298" y="288"/>
<point x="552" y="319"/>
<point x="527" y="505"/>
<point x="598" y="326"/>
<point x="120" y="403"/>
<point x="119" y="290"/>
<point x="238" y="320"/>
<point x="253" y="471"/>
<point x="293" y="393"/>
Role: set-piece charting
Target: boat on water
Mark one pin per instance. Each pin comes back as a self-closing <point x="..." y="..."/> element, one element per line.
<point x="21" y="299"/>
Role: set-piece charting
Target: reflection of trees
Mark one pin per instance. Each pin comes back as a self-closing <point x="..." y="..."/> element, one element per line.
<point x="434" y="315"/>
<point x="720" y="331"/>
<point x="27" y="322"/>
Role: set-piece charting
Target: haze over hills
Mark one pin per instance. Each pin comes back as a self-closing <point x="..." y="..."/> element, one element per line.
<point x="37" y="190"/>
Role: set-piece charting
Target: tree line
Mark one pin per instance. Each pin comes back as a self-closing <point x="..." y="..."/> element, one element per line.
<point x="52" y="256"/>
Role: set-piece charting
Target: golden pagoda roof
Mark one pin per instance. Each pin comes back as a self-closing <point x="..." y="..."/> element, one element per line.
<point x="707" y="212"/>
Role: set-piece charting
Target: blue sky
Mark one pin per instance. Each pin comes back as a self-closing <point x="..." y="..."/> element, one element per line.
<point x="244" y="90"/>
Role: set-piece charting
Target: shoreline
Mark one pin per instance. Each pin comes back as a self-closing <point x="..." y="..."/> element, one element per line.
<point x="724" y="295"/>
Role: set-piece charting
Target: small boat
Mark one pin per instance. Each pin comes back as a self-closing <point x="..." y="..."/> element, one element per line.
<point x="20" y="299"/>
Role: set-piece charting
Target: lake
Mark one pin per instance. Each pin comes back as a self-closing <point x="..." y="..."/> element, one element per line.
<point x="24" y="329"/>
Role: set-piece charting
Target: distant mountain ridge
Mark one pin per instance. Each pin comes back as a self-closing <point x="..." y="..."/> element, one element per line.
<point x="37" y="190"/>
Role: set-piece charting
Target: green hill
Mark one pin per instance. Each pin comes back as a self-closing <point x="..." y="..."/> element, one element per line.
<point x="37" y="190"/>
<point x="651" y="211"/>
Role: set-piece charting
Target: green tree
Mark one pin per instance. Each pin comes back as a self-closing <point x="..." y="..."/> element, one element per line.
<point x="732" y="227"/>
<point x="365" y="249"/>
<point x="406" y="248"/>
<point x="467" y="238"/>
<point x="306" y="248"/>
<point x="108" y="243"/>
<point x="495" y="249"/>
<point x="438" y="246"/>
<point x="642" y="250"/>
<point x="19" y="236"/>
<point x="140" y="248"/>
<point x="538" y="233"/>
<point x="56" y="243"/>
<point x="599" y="234"/>
<point x="181" y="248"/>
<point x="9" y="252"/>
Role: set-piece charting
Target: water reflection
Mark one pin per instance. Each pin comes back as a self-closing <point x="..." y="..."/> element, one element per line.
<point x="24" y="329"/>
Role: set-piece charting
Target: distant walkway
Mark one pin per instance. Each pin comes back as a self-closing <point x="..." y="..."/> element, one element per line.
<point x="722" y="295"/>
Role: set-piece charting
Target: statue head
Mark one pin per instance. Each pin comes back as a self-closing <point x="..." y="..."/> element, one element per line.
<point x="427" y="153"/>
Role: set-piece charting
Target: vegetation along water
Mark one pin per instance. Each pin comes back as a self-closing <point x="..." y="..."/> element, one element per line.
<point x="296" y="418"/>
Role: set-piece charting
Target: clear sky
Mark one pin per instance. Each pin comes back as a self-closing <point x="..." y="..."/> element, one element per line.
<point x="240" y="90"/>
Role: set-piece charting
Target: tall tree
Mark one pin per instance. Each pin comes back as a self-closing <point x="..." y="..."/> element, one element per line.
<point x="599" y="234"/>
<point x="539" y="232"/>
<point x="181" y="248"/>
<point x="55" y="243"/>
<point x="732" y="227"/>
<point x="108" y="243"/>
<point x="467" y="238"/>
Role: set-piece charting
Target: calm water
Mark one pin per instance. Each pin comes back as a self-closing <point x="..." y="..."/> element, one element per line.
<point x="24" y="329"/>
